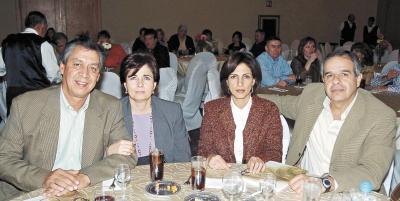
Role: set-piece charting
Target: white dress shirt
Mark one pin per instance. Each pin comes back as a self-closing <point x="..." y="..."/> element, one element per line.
<point x="49" y="60"/>
<point x="240" y="118"/>
<point x="72" y="123"/>
<point x="317" y="156"/>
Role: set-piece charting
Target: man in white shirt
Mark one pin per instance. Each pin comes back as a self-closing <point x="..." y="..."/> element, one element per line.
<point x="29" y="60"/>
<point x="337" y="135"/>
<point x="55" y="138"/>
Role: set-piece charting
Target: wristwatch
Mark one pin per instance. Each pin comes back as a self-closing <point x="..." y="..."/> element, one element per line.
<point x="326" y="183"/>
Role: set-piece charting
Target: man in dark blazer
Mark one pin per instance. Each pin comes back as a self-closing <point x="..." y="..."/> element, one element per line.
<point x="358" y="145"/>
<point x="55" y="138"/>
<point x="159" y="51"/>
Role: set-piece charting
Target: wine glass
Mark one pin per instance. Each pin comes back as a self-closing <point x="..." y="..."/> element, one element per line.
<point x="123" y="176"/>
<point x="267" y="186"/>
<point x="232" y="185"/>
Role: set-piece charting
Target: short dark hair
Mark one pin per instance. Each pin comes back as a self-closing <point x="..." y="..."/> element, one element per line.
<point x="303" y="43"/>
<point x="364" y="49"/>
<point x="237" y="33"/>
<point x="230" y="65"/>
<point x="82" y="41"/>
<point x="271" y="38"/>
<point x="207" y="32"/>
<point x="371" y="19"/>
<point x="142" y="30"/>
<point x="34" y="18"/>
<point x="347" y="54"/>
<point x="150" y="32"/>
<point x="260" y="31"/>
<point x="104" y="34"/>
<point x="60" y="35"/>
<point x="134" y="62"/>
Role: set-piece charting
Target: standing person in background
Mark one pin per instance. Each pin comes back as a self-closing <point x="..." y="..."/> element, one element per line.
<point x="29" y="59"/>
<point x="371" y="32"/>
<point x="181" y="42"/>
<point x="259" y="44"/>
<point x="139" y="41"/>
<point x="348" y="29"/>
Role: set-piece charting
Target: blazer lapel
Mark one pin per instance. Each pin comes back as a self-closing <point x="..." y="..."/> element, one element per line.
<point x="228" y="125"/>
<point x="350" y="126"/>
<point x="94" y="122"/>
<point x="253" y="122"/>
<point x="49" y="127"/>
<point x="157" y="127"/>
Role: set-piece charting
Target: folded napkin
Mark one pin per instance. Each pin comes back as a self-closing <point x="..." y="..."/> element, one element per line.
<point x="278" y="89"/>
<point x="38" y="198"/>
<point x="107" y="183"/>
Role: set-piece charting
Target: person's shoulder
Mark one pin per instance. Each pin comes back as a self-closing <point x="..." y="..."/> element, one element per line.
<point x="164" y="104"/>
<point x="103" y="99"/>
<point x="374" y="105"/>
<point x="217" y="103"/>
<point x="36" y="97"/>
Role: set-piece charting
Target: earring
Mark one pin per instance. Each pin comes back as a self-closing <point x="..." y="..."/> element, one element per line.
<point x="251" y="91"/>
<point x="126" y="91"/>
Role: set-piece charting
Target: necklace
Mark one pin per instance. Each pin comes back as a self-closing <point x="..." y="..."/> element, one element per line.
<point x="151" y="136"/>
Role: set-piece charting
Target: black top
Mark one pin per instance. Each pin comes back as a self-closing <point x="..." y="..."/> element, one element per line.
<point x="138" y="45"/>
<point x="370" y="38"/>
<point x="161" y="54"/>
<point x="173" y="44"/>
<point x="298" y="66"/>
<point x="232" y="48"/>
<point x="258" y="48"/>
<point x="347" y="33"/>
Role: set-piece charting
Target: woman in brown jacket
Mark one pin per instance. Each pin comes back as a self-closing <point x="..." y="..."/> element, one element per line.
<point x="240" y="128"/>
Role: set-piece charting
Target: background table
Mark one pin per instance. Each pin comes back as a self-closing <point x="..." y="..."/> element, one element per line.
<point x="177" y="172"/>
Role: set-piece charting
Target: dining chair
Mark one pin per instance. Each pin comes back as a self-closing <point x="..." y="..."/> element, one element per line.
<point x="286" y="135"/>
<point x="214" y="85"/>
<point x="285" y="47"/>
<point x="167" y="84"/>
<point x="173" y="61"/>
<point x="347" y="45"/>
<point x="194" y="88"/>
<point x="246" y="41"/>
<point x="295" y="45"/>
<point x="110" y="84"/>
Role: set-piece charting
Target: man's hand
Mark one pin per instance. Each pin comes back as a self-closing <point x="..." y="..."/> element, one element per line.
<point x="255" y="165"/>
<point x="292" y="77"/>
<point x="392" y="74"/>
<point x="217" y="162"/>
<point x="281" y="83"/>
<point x="59" y="182"/>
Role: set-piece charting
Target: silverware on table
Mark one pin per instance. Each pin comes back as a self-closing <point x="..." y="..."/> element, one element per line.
<point x="187" y="182"/>
<point x="245" y="171"/>
<point x="112" y="186"/>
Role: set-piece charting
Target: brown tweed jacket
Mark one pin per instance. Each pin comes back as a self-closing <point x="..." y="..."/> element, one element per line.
<point x="28" y="143"/>
<point x="262" y="135"/>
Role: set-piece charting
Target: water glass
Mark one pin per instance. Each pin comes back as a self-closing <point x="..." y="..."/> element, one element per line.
<point x="232" y="185"/>
<point x="267" y="186"/>
<point x="103" y="195"/>
<point x="312" y="189"/>
<point x="308" y="79"/>
<point x="123" y="176"/>
<point x="198" y="170"/>
<point x="156" y="165"/>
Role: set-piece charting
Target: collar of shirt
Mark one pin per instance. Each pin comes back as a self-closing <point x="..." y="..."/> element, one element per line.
<point x="67" y="107"/>
<point x="30" y="30"/>
<point x="242" y="112"/>
<point x="272" y="59"/>
<point x="327" y="103"/>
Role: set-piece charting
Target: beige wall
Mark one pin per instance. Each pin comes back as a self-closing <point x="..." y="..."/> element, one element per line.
<point x="8" y="18"/>
<point x="123" y="18"/>
<point x="319" y="18"/>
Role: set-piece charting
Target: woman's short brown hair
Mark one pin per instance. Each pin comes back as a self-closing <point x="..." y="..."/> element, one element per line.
<point x="135" y="62"/>
<point x="230" y="65"/>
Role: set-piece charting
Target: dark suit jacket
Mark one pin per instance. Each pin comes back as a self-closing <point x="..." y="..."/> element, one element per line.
<point x="28" y="143"/>
<point x="169" y="128"/>
<point x="161" y="54"/>
<point x="173" y="44"/>
<point x="365" y="145"/>
<point x="262" y="135"/>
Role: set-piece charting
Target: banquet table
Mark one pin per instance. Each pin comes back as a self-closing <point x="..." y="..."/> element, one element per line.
<point x="391" y="99"/>
<point x="183" y="63"/>
<point x="177" y="172"/>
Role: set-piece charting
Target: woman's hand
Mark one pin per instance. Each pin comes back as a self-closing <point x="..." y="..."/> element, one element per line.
<point x="217" y="162"/>
<point x="123" y="147"/>
<point x="255" y="165"/>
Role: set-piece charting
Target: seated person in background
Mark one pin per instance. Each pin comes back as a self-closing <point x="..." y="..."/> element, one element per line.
<point x="236" y="44"/>
<point x="306" y="62"/>
<point x="60" y="42"/>
<point x="153" y="47"/>
<point x="240" y="128"/>
<point x="259" y="44"/>
<point x="207" y="44"/>
<point x="388" y="79"/>
<point x="56" y="137"/>
<point x="161" y="37"/>
<point x="139" y="41"/>
<point x="337" y="135"/>
<point x="114" y="53"/>
<point x="181" y="42"/>
<point x="150" y="121"/>
<point x="275" y="69"/>
<point x="365" y="58"/>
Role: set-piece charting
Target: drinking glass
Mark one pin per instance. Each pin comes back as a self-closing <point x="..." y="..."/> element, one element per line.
<point x="299" y="80"/>
<point x="198" y="175"/>
<point x="267" y="186"/>
<point x="123" y="176"/>
<point x="156" y="165"/>
<point x="311" y="189"/>
<point x="103" y="195"/>
<point x="308" y="79"/>
<point x="232" y="185"/>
